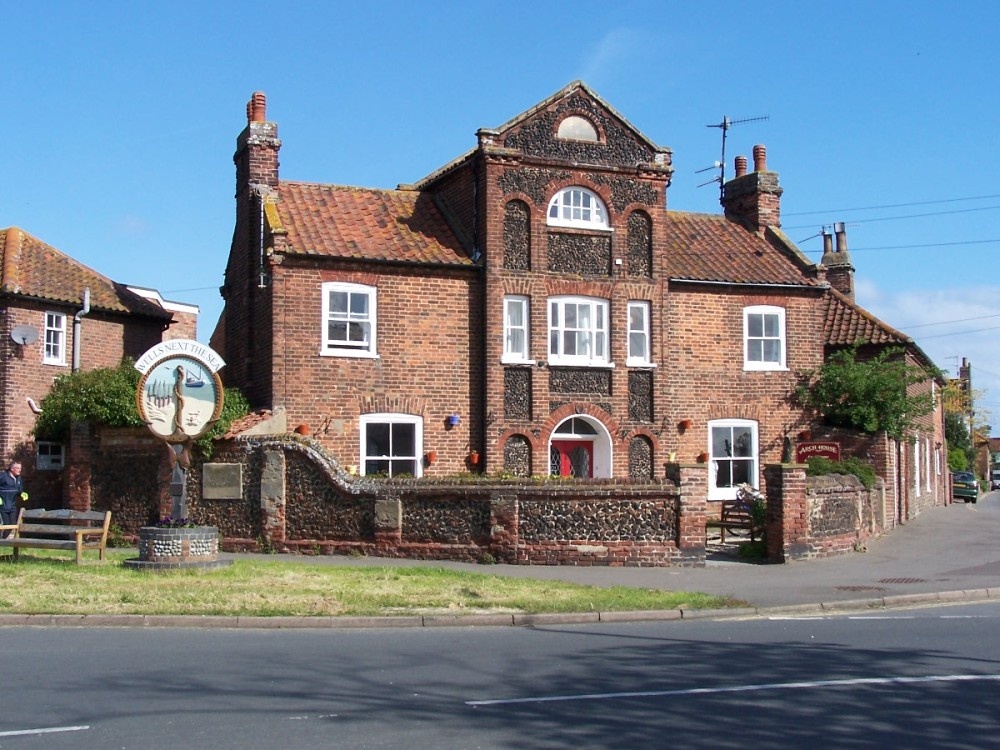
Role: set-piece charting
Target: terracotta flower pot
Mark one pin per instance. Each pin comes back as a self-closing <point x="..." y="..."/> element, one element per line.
<point x="432" y="457"/>
<point x="302" y="429"/>
<point x="684" y="425"/>
<point x="703" y="458"/>
<point x="474" y="458"/>
<point x="805" y="435"/>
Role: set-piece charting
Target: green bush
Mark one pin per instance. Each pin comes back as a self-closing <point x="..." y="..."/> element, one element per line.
<point x="818" y="466"/>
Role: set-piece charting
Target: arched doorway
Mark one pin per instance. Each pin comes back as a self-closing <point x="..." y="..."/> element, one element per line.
<point x="580" y="447"/>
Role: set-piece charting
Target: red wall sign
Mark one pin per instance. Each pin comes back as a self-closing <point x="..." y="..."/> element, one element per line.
<point x="813" y="448"/>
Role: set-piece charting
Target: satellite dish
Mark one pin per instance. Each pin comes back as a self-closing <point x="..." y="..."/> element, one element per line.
<point x="24" y="334"/>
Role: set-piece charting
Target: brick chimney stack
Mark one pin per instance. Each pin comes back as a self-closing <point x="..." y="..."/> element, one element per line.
<point x="755" y="198"/>
<point x="257" y="148"/>
<point x="837" y="261"/>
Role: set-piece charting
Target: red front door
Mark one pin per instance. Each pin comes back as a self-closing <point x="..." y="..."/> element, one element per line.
<point x="572" y="458"/>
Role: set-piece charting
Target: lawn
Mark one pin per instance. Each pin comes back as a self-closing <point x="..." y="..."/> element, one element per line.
<point x="45" y="583"/>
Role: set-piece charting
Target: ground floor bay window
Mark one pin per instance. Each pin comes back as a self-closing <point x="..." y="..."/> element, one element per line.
<point x="732" y="457"/>
<point x="391" y="445"/>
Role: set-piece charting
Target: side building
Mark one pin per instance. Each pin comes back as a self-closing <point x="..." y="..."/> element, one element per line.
<point x="58" y="316"/>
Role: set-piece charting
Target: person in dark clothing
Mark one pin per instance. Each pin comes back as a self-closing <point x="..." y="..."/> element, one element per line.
<point x="11" y="490"/>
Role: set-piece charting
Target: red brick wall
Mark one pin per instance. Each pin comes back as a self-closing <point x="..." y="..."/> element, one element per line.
<point x="429" y="358"/>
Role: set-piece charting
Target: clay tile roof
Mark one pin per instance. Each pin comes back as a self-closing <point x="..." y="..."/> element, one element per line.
<point x="847" y="324"/>
<point x="31" y="268"/>
<point x="712" y="248"/>
<point x="348" y="222"/>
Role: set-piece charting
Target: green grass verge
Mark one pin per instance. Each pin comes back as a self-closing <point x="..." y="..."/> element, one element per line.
<point x="44" y="583"/>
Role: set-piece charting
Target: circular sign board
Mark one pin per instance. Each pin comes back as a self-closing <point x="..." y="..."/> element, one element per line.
<point x="180" y="393"/>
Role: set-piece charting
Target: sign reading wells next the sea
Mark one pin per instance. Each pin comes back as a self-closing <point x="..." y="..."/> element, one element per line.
<point x="180" y="392"/>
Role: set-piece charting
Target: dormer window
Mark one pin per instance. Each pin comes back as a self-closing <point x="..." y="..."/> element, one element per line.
<point x="576" y="128"/>
<point x="579" y="208"/>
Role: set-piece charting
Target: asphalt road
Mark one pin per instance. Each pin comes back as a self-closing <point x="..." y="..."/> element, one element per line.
<point x="900" y="679"/>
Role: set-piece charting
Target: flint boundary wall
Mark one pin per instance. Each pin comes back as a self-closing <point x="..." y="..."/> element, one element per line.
<point x="293" y="498"/>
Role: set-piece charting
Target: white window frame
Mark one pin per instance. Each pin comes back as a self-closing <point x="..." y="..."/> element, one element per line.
<point x="343" y="348"/>
<point x="579" y="208"/>
<point x="367" y="420"/>
<point x="750" y="361"/>
<point x="511" y="353"/>
<point x="642" y="331"/>
<point x="594" y="333"/>
<point x="54" y="345"/>
<point x="49" y="456"/>
<point x="728" y="492"/>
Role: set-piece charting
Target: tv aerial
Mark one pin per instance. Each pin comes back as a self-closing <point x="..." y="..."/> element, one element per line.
<point x="24" y="334"/>
<point x="721" y="164"/>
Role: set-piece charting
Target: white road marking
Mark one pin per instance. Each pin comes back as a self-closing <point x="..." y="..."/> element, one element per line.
<point x="742" y="689"/>
<point x="44" y="730"/>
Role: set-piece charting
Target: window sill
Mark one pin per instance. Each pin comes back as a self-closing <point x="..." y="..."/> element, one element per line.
<point x="640" y="364"/>
<point x="770" y="368"/>
<point x="584" y="365"/>
<point x="54" y="362"/>
<point x="513" y="361"/>
<point x="347" y="353"/>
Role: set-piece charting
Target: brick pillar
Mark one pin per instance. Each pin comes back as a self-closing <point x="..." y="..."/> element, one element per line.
<point x="79" y="460"/>
<point x="504" y="527"/>
<point x="388" y="521"/>
<point x="787" y="514"/>
<point x="692" y="507"/>
<point x="272" y="497"/>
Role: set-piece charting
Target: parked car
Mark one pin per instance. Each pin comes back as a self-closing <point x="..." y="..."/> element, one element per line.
<point x="995" y="479"/>
<point x="964" y="486"/>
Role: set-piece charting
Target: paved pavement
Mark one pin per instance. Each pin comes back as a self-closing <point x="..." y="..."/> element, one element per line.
<point x="947" y="553"/>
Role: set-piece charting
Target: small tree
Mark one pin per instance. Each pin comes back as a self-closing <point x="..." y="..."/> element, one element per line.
<point x="871" y="395"/>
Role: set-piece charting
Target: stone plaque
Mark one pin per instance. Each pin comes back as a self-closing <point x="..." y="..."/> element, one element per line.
<point x="222" y="482"/>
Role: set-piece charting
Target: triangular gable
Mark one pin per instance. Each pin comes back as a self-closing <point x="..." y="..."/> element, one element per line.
<point x="533" y="132"/>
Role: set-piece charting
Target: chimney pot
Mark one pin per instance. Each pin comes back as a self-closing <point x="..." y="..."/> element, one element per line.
<point x="827" y="243"/>
<point x="841" y="231"/>
<point x="759" y="159"/>
<point x="257" y="107"/>
<point x="741" y="166"/>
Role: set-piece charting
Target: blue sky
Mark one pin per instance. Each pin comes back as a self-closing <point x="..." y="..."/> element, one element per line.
<point x="122" y="118"/>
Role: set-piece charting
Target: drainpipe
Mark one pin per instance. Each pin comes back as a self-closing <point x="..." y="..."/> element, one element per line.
<point x="76" y="328"/>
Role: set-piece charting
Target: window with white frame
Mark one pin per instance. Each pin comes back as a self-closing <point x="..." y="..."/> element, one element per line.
<point x="764" y="338"/>
<point x="516" y="338"/>
<point x="48" y="456"/>
<point x="733" y="456"/>
<point x="578" y="331"/>
<point x="391" y="444"/>
<point x="349" y="320"/>
<point x="55" y="339"/>
<point x="638" y="334"/>
<point x="577" y="207"/>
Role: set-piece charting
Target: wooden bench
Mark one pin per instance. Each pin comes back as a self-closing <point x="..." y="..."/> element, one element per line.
<point x="58" y="529"/>
<point x="735" y="515"/>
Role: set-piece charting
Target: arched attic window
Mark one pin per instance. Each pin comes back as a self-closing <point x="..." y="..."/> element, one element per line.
<point x="576" y="128"/>
<point x="579" y="208"/>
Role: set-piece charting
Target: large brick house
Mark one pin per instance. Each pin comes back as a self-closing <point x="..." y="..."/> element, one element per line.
<point x="532" y="307"/>
<point x="58" y="316"/>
